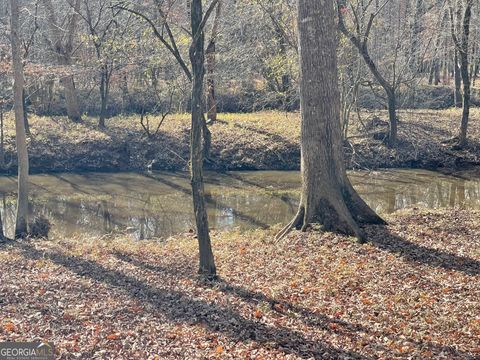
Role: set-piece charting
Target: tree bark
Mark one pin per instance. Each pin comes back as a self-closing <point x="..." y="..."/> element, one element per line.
<point x="197" y="57"/>
<point x="328" y="197"/>
<point x="458" y="80"/>
<point x="462" y="46"/>
<point x="21" y="227"/>
<point x="211" y="99"/>
<point x="25" y="112"/>
<point x="104" y="93"/>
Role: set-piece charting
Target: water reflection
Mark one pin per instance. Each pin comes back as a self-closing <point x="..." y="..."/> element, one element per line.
<point x="157" y="205"/>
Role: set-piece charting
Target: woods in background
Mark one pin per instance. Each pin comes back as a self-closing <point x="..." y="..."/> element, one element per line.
<point x="105" y="57"/>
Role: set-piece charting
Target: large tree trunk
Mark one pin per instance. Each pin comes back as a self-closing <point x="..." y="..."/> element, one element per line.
<point x="328" y="197"/>
<point x="197" y="58"/>
<point x="21" y="228"/>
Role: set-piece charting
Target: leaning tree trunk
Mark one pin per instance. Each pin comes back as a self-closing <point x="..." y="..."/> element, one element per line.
<point x="197" y="58"/>
<point x="21" y="228"/>
<point x="328" y="197"/>
<point x="362" y="47"/>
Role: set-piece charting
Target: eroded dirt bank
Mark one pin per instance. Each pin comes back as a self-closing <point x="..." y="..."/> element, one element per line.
<point x="259" y="141"/>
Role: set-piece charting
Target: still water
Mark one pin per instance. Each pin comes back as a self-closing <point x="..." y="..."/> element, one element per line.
<point x="159" y="204"/>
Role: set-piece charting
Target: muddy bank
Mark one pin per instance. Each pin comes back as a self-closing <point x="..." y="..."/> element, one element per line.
<point x="258" y="141"/>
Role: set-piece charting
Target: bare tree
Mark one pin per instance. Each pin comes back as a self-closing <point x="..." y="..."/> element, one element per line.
<point x="21" y="224"/>
<point x="360" y="39"/>
<point x="62" y="41"/>
<point x="211" y="62"/>
<point x="199" y="131"/>
<point x="462" y="47"/>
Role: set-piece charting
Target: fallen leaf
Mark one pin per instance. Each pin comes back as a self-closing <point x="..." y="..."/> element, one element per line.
<point x="114" y="336"/>
<point x="9" y="326"/>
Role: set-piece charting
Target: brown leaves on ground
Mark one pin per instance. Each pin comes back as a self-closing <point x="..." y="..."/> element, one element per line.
<point x="413" y="293"/>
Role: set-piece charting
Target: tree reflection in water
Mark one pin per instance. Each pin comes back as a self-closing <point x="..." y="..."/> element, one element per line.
<point x="159" y="205"/>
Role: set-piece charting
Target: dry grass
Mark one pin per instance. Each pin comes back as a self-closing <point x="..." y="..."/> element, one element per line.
<point x="413" y="292"/>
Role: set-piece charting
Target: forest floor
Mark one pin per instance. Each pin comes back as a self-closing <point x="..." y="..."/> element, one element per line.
<point x="258" y="141"/>
<point x="411" y="293"/>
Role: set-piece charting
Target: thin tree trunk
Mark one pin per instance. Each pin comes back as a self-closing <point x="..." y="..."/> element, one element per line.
<point x="363" y="50"/>
<point x="197" y="58"/>
<point x="458" y="80"/>
<point x="2" y="164"/>
<point x="21" y="227"/>
<point x="211" y="66"/>
<point x="328" y="197"/>
<point x="463" y="52"/>
<point x="466" y="101"/>
<point x="25" y="112"/>
<point x="211" y="99"/>
<point x="2" y="141"/>
<point x="103" y="99"/>
<point x="392" y="116"/>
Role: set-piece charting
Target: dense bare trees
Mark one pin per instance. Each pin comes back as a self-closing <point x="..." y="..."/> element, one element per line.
<point x="62" y="42"/>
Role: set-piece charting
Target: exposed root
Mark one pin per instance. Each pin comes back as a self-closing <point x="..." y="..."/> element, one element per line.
<point x="295" y="223"/>
<point x="344" y="222"/>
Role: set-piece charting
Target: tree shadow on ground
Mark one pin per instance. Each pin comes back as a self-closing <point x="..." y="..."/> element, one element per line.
<point x="381" y="237"/>
<point x="309" y="318"/>
<point x="178" y="307"/>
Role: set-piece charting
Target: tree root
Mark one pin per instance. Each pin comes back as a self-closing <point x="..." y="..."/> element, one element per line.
<point x="295" y="223"/>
